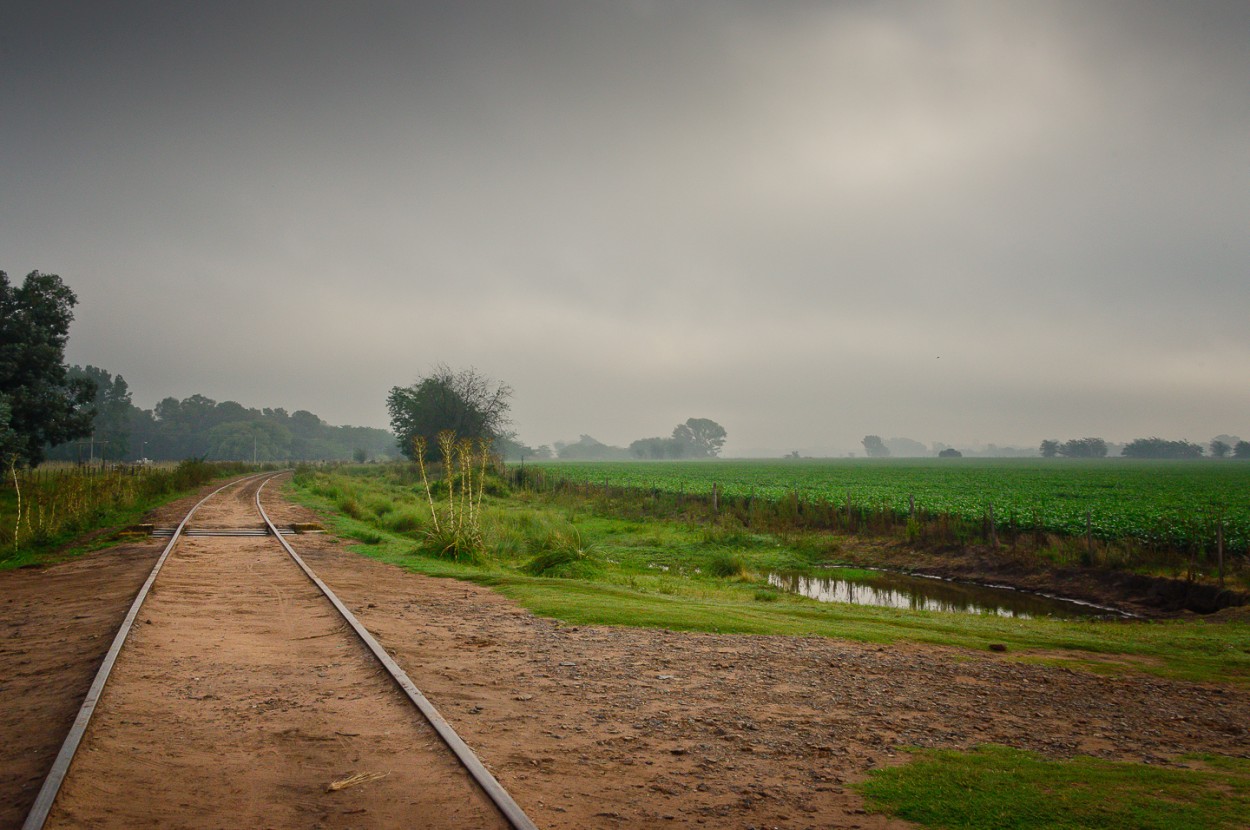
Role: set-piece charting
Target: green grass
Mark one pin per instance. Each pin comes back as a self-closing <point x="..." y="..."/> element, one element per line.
<point x="658" y="573"/>
<point x="574" y="560"/>
<point x="66" y="510"/>
<point x="997" y="788"/>
<point x="1158" y="503"/>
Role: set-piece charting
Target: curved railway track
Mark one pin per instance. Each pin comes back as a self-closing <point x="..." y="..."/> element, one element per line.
<point x="260" y="743"/>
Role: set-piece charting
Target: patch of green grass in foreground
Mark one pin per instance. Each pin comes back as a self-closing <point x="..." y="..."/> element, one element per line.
<point x="1001" y="788"/>
<point x="651" y="573"/>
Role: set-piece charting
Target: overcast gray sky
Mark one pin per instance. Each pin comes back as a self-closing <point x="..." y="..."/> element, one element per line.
<point x="953" y="221"/>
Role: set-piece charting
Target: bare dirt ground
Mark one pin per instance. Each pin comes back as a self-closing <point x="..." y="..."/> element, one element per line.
<point x="609" y="728"/>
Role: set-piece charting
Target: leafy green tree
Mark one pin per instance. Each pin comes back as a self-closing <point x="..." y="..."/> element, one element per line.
<point x="1220" y="449"/>
<point x="656" y="448"/>
<point x="465" y="402"/>
<point x="184" y="425"/>
<point x="700" y="438"/>
<point x="1160" y="448"/>
<point x="1084" y="448"/>
<point x="45" y="407"/>
<point x="1049" y="448"/>
<point x="1241" y="450"/>
<point x="248" y="440"/>
<point x="10" y="441"/>
<point x="875" y="447"/>
<point x="112" y="404"/>
<point x="513" y="450"/>
<point x="587" y="448"/>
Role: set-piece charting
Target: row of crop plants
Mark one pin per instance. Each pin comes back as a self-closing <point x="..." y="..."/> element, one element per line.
<point x="1200" y="513"/>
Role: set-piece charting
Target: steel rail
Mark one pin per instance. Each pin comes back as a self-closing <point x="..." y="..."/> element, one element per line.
<point x="60" y="767"/>
<point x="493" y="789"/>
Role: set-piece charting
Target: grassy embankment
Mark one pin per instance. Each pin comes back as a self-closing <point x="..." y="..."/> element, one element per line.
<point x="1187" y="519"/>
<point x="64" y="508"/>
<point x="572" y="559"/>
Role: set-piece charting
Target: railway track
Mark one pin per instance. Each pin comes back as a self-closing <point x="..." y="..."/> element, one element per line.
<point x="239" y="691"/>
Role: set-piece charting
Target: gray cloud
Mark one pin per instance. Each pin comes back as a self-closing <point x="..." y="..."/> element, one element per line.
<point x="956" y="221"/>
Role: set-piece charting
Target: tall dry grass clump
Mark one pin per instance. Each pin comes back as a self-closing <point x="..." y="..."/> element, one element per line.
<point x="45" y="506"/>
<point x="456" y="520"/>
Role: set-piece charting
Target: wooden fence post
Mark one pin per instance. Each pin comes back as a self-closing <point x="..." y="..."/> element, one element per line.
<point x="1089" y="535"/>
<point x="1219" y="548"/>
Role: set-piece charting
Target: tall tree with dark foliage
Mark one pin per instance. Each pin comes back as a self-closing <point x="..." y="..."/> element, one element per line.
<point x="44" y="405"/>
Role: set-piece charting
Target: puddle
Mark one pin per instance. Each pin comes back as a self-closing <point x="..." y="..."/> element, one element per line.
<point x="918" y="593"/>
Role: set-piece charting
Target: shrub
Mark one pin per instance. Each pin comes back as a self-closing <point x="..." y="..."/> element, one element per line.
<point x="726" y="565"/>
<point x="561" y="553"/>
<point x="404" y="521"/>
<point x="350" y="507"/>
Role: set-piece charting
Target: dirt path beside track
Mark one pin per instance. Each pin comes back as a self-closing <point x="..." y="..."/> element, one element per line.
<point x="242" y="699"/>
<point x="596" y="727"/>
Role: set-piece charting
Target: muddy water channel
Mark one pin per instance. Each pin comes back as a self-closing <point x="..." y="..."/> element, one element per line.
<point x="918" y="593"/>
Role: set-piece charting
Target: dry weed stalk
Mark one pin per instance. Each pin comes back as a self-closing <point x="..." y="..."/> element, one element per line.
<point x="457" y="531"/>
<point x="353" y="780"/>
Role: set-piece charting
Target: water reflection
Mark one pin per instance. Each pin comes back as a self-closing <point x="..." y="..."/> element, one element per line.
<point x="892" y="590"/>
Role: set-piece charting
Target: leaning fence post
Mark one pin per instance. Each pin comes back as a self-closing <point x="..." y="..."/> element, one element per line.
<point x="1219" y="547"/>
<point x="1089" y="535"/>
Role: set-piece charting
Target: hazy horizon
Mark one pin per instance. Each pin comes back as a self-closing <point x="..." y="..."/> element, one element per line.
<point x="957" y="222"/>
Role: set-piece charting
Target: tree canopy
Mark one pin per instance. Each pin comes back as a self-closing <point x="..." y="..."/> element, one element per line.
<point x="1161" y="448"/>
<point x="111" y="424"/>
<point x="41" y="404"/>
<point x="464" y="402"/>
<point x="875" y="447"/>
<point x="696" y="438"/>
<point x="200" y="427"/>
<point x="702" y="437"/>
<point x="1074" y="448"/>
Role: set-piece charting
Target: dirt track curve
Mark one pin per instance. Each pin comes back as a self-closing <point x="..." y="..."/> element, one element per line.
<point x="587" y="727"/>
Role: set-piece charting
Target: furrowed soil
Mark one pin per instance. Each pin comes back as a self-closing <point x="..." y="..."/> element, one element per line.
<point x="592" y="727"/>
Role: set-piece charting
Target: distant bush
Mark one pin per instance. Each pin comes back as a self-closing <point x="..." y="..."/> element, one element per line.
<point x="726" y="565"/>
<point x="561" y="553"/>
<point x="1159" y="448"/>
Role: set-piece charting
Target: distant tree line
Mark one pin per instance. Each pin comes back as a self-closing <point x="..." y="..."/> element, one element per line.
<point x="200" y="427"/>
<point x="693" y="439"/>
<point x="1221" y="447"/>
<point x="1076" y="448"/>
<point x="696" y="438"/>
<point x="877" y="447"/>
<point x="470" y="405"/>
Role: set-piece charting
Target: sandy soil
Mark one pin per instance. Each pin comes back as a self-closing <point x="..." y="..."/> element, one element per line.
<point x="605" y="728"/>
<point x="241" y="698"/>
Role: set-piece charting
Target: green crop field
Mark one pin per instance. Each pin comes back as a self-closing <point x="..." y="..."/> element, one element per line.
<point x="1175" y="504"/>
